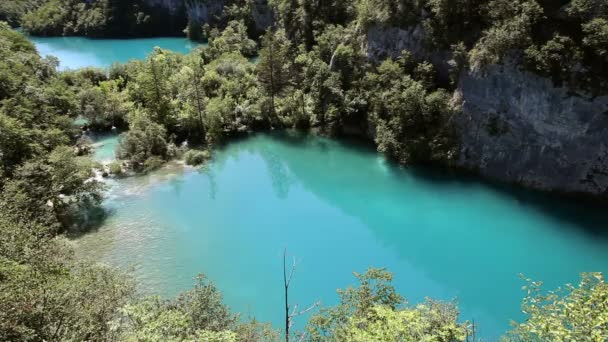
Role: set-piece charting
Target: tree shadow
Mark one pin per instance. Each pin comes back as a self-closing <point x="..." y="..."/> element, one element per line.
<point x="582" y="211"/>
<point x="89" y="220"/>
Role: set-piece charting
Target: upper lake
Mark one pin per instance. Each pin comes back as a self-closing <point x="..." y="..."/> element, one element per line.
<point x="79" y="52"/>
<point x="341" y="207"/>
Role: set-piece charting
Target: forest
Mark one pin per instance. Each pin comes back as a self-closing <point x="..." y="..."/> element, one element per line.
<point x="311" y="75"/>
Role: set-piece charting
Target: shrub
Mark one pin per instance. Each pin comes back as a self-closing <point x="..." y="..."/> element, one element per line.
<point x="153" y="163"/>
<point x="115" y="168"/>
<point x="573" y="313"/>
<point x="195" y="157"/>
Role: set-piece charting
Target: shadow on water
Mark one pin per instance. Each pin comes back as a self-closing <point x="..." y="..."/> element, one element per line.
<point x="441" y="236"/>
<point x="589" y="214"/>
<point x="585" y="213"/>
<point x="470" y="236"/>
<point x="90" y="220"/>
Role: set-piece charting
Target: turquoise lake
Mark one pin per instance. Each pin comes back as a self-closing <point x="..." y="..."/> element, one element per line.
<point x="338" y="208"/>
<point x="79" y="52"/>
<point x="341" y="207"/>
<point x="105" y="146"/>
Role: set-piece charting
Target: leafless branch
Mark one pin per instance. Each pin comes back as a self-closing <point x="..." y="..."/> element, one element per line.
<point x="294" y="310"/>
<point x="295" y="314"/>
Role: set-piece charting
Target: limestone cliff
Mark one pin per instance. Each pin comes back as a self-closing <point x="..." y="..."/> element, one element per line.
<point x="209" y="10"/>
<point x="519" y="127"/>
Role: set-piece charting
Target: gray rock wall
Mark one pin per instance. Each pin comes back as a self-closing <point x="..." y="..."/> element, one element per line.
<point x="382" y="42"/>
<point x="206" y="11"/>
<point x="172" y="6"/>
<point x="518" y="127"/>
<point x="262" y="15"/>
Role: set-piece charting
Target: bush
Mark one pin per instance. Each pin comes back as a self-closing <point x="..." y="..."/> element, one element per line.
<point x="144" y="140"/>
<point x="572" y="313"/>
<point x="115" y="168"/>
<point x="153" y="163"/>
<point x="195" y="157"/>
<point x="374" y="311"/>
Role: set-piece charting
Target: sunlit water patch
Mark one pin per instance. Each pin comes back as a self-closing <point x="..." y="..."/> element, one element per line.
<point x="79" y="52"/>
<point x="339" y="209"/>
<point x="105" y="146"/>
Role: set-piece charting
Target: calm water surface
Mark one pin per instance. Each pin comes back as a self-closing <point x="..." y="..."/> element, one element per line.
<point x="105" y="147"/>
<point x="79" y="52"/>
<point x="341" y="208"/>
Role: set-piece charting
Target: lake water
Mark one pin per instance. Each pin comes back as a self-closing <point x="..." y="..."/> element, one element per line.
<point x="340" y="208"/>
<point x="105" y="147"/>
<point x="79" y="52"/>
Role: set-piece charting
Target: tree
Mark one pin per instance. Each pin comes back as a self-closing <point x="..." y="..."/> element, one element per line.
<point x="596" y="36"/>
<point x="429" y="321"/>
<point x="195" y="315"/>
<point x="191" y="97"/>
<point x="274" y="65"/>
<point x="151" y="89"/>
<point x="145" y="141"/>
<point x="232" y="39"/>
<point x="374" y="311"/>
<point x="105" y="105"/>
<point x="291" y="312"/>
<point x="52" y="191"/>
<point x="512" y="22"/>
<point x="411" y="121"/>
<point x="45" y="295"/>
<point x="573" y="313"/>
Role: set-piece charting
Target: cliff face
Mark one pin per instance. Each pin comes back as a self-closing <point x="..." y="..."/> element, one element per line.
<point x="207" y="11"/>
<point x="518" y="127"/>
<point x="383" y="42"/>
<point x="262" y="15"/>
<point x="172" y="7"/>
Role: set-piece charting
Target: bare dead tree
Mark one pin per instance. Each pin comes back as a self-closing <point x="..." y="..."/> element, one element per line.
<point x="291" y="313"/>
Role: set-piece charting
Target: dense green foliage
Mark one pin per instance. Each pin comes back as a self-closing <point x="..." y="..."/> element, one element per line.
<point x="101" y="18"/>
<point x="567" y="314"/>
<point x="195" y="157"/>
<point x="45" y="294"/>
<point x="374" y="311"/>
<point x="42" y="179"/>
<point x="195" y="315"/>
<point x="312" y="73"/>
<point x="13" y="11"/>
<point x="215" y="92"/>
<point x="118" y="18"/>
<point x="564" y="40"/>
